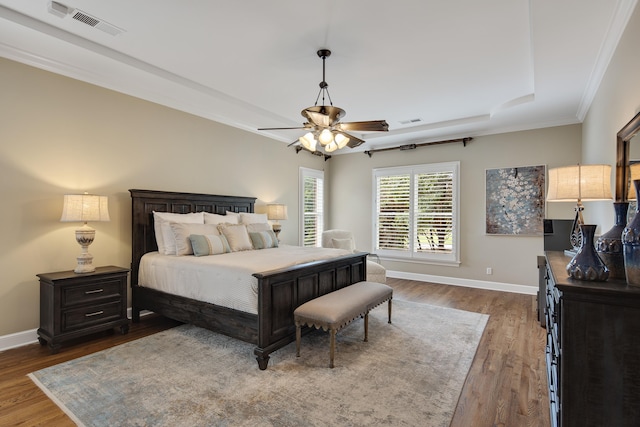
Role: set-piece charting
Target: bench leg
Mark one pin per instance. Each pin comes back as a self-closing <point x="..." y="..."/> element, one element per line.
<point x="390" y="310"/>
<point x="298" y="340"/>
<point x="332" y="346"/>
<point x="366" y="327"/>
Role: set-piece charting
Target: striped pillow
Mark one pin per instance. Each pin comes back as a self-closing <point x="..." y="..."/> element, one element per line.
<point x="209" y="244"/>
<point x="264" y="239"/>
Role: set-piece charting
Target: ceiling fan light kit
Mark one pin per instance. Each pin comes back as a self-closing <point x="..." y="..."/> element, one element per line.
<point x="323" y="122"/>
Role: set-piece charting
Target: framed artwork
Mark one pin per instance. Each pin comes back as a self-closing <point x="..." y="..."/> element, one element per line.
<point x="515" y="200"/>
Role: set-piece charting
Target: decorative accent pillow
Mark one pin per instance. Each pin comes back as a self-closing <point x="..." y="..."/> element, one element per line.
<point x="259" y="226"/>
<point x="164" y="235"/>
<point x="210" y="218"/>
<point x="264" y="239"/>
<point x="181" y="233"/>
<point x="237" y="236"/>
<point x="347" y="244"/>
<point x="253" y="218"/>
<point x="212" y="244"/>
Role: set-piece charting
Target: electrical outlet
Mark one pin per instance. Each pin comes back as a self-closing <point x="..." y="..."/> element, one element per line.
<point x="489" y="270"/>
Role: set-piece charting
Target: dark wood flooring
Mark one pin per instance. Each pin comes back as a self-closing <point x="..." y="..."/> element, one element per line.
<point x="506" y="385"/>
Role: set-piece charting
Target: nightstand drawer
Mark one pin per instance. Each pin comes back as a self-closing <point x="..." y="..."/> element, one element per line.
<point x="93" y="315"/>
<point x="92" y="293"/>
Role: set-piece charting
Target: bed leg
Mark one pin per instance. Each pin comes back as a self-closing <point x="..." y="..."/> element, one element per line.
<point x="262" y="356"/>
<point x="135" y="315"/>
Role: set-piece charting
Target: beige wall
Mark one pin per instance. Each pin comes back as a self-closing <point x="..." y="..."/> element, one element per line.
<point x="59" y="136"/>
<point x="512" y="258"/>
<point x="616" y="102"/>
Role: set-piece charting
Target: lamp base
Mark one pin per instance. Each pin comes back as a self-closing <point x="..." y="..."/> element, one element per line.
<point x="85" y="264"/>
<point x="277" y="228"/>
<point x="84" y="237"/>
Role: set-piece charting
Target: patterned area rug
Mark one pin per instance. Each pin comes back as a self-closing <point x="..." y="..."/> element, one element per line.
<point x="410" y="373"/>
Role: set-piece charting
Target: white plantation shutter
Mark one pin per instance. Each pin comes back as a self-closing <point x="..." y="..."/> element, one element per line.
<point x="394" y="209"/>
<point x="415" y="212"/>
<point x="312" y="201"/>
<point x="433" y="217"/>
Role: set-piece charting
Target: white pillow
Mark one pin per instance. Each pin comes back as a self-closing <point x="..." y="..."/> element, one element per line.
<point x="347" y="244"/>
<point x="253" y="218"/>
<point x="182" y="231"/>
<point x="237" y="236"/>
<point x="164" y="235"/>
<point x="210" y="218"/>
<point x="259" y="226"/>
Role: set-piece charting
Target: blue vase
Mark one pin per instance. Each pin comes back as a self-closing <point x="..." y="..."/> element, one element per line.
<point x="631" y="244"/>
<point x="609" y="245"/>
<point x="586" y="264"/>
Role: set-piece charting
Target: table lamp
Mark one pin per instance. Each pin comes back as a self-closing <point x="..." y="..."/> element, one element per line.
<point x="577" y="184"/>
<point x="276" y="212"/>
<point x="85" y="208"/>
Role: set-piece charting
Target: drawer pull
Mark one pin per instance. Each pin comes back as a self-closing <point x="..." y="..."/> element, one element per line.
<point x="97" y="313"/>
<point x="95" y="291"/>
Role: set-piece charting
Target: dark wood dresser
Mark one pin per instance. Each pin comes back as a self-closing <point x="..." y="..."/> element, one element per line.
<point x="73" y="305"/>
<point x="593" y="349"/>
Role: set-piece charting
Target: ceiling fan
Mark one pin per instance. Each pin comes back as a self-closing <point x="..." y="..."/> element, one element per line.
<point x="324" y="126"/>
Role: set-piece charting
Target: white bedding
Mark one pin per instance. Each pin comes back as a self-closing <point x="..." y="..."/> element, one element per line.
<point x="225" y="279"/>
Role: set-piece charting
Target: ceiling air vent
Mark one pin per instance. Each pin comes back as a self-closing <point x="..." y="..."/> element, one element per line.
<point x="92" y="21"/>
<point x="60" y="10"/>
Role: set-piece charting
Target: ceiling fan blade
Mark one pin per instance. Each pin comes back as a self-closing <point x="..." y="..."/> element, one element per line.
<point x="302" y="127"/>
<point x="368" y="126"/>
<point x="323" y="115"/>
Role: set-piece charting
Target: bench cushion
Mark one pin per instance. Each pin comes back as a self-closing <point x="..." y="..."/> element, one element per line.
<point x="337" y="309"/>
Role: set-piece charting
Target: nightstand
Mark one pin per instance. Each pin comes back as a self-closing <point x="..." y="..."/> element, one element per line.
<point x="73" y="305"/>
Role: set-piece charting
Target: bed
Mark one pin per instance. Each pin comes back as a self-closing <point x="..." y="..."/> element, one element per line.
<point x="279" y="291"/>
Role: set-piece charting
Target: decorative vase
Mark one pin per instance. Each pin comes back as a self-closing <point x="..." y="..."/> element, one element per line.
<point x="586" y="264"/>
<point x="609" y="245"/>
<point x="631" y="244"/>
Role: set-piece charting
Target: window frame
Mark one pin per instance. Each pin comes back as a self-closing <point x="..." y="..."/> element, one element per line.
<point x="317" y="175"/>
<point x="411" y="255"/>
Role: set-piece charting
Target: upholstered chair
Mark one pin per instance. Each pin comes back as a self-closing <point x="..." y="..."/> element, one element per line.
<point x="343" y="239"/>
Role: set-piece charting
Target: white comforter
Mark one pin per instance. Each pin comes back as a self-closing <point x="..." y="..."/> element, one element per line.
<point x="226" y="279"/>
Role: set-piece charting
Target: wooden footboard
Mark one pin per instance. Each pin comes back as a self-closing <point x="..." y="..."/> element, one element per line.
<point x="280" y="292"/>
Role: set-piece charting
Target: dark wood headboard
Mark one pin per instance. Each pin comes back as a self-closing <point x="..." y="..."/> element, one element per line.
<point x="144" y="202"/>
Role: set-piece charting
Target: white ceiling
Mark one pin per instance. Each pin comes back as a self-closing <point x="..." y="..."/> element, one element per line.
<point x="462" y="67"/>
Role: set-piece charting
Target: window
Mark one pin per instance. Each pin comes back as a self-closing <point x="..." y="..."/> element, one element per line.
<point x="416" y="212"/>
<point x="311" y="206"/>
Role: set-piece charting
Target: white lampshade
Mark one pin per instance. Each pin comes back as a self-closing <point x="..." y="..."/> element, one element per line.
<point x="579" y="183"/>
<point x="277" y="212"/>
<point x="325" y="137"/>
<point x="308" y="141"/>
<point x="341" y="140"/>
<point x="85" y="208"/>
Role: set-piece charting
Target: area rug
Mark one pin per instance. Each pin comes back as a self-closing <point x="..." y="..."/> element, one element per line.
<point x="409" y="373"/>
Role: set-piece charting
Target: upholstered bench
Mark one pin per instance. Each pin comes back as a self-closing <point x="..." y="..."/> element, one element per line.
<point x="335" y="310"/>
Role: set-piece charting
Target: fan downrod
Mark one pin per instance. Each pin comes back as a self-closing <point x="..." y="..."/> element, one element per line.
<point x="323" y="53"/>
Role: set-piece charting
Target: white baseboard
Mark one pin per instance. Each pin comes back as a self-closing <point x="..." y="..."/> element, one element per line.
<point x="469" y="283"/>
<point x="19" y="339"/>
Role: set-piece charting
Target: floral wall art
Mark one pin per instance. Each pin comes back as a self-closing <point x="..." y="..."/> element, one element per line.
<point x="515" y="200"/>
